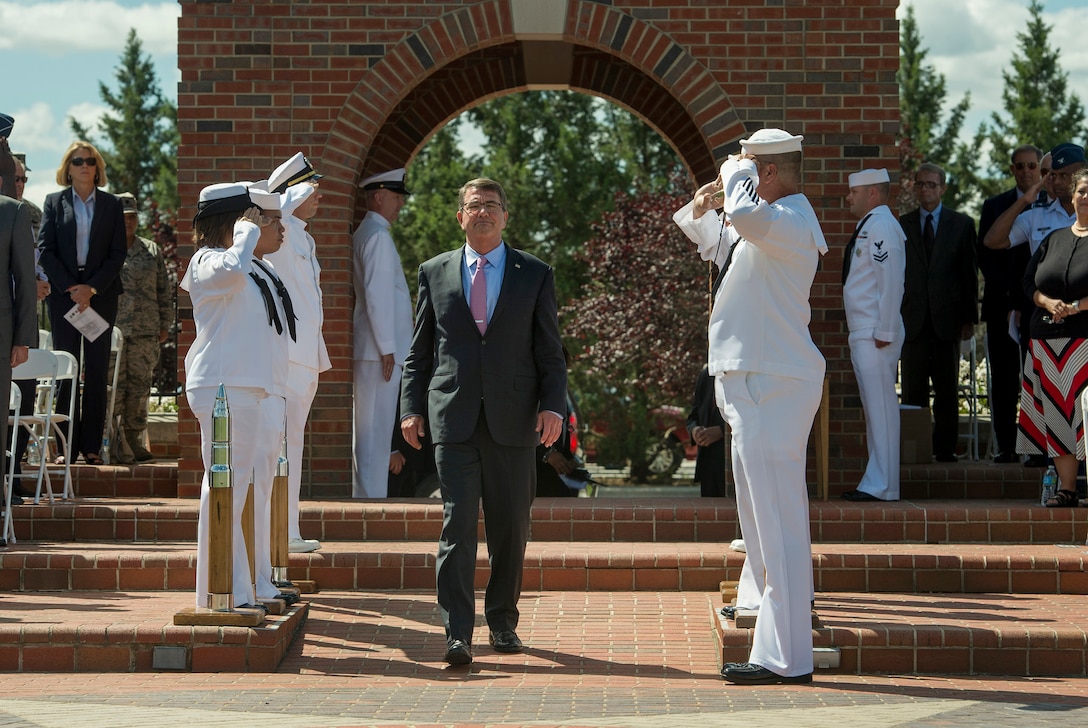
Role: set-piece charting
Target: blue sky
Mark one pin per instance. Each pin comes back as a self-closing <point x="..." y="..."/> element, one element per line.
<point x="55" y="52"/>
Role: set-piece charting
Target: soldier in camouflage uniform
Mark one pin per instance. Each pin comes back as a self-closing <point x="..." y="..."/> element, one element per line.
<point x="144" y="315"/>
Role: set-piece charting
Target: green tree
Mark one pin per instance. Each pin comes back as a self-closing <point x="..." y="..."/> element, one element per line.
<point x="636" y="352"/>
<point x="562" y="156"/>
<point x="926" y="133"/>
<point x="141" y="131"/>
<point x="427" y="225"/>
<point x="1039" y="108"/>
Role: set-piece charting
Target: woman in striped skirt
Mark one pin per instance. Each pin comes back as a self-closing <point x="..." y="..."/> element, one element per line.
<point x="1051" y="413"/>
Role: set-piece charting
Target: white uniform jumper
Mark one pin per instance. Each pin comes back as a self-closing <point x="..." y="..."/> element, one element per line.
<point x="382" y="323"/>
<point x="769" y="377"/>
<point x="872" y="297"/>
<point x="237" y="347"/>
<point x="296" y="265"/>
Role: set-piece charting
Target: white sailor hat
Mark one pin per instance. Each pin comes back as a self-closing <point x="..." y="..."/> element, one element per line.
<point x="771" y="141"/>
<point x="262" y="196"/>
<point x="392" y="180"/>
<point x="869" y="177"/>
<point x="233" y="197"/>
<point x="294" y="170"/>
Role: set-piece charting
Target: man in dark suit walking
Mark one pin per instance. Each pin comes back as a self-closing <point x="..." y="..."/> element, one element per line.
<point x="485" y="376"/>
<point x="940" y="305"/>
<point x="1003" y="271"/>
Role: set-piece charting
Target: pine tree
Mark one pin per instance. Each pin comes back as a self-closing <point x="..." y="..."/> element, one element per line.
<point x="141" y="131"/>
<point x="924" y="132"/>
<point x="1040" y="109"/>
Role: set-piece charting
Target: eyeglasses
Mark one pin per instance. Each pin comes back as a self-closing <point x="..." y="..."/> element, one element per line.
<point x="1021" y="166"/>
<point x="920" y="185"/>
<point x="474" y="208"/>
<point x="19" y="179"/>
<point x="80" y="161"/>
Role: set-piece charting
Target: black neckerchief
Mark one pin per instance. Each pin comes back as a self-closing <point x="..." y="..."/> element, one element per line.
<point x="849" y="252"/>
<point x="270" y="305"/>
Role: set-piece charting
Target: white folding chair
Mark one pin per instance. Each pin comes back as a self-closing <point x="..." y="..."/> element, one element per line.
<point x="41" y="366"/>
<point x="15" y="402"/>
<point x="45" y="339"/>
<point x="968" y="391"/>
<point x="67" y="369"/>
<point x="117" y="345"/>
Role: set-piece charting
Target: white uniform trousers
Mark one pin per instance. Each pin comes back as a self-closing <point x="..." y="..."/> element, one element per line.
<point x="301" y="388"/>
<point x="254" y="414"/>
<point x="876" y="371"/>
<point x="770" y="418"/>
<point x="375" y="415"/>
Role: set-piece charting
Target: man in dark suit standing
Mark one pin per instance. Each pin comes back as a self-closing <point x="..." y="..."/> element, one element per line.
<point x="1003" y="271"/>
<point x="485" y="376"/>
<point x="18" y="321"/>
<point x="940" y="305"/>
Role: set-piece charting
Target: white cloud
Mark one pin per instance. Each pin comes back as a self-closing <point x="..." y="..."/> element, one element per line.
<point x="35" y="128"/>
<point x="94" y="25"/>
<point x="972" y="43"/>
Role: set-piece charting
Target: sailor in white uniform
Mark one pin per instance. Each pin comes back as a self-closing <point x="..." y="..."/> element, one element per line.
<point x="382" y="323"/>
<point x="296" y="264"/>
<point x="243" y="320"/>
<point x="874" y="266"/>
<point x="769" y="377"/>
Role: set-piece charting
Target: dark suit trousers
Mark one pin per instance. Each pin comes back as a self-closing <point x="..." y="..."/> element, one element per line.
<point x="505" y="479"/>
<point x="927" y="358"/>
<point x="90" y="412"/>
<point x="1006" y="371"/>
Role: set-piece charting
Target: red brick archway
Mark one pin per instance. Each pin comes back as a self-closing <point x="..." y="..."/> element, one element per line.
<point x="362" y="86"/>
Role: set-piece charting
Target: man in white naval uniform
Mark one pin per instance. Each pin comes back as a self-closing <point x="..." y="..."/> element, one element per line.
<point x="874" y="265"/>
<point x="769" y="377"/>
<point x="295" y="181"/>
<point x="383" y="332"/>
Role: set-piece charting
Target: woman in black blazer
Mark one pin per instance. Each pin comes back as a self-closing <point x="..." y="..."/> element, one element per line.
<point x="83" y="245"/>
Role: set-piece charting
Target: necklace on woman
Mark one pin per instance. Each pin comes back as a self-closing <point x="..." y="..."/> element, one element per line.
<point x="1079" y="230"/>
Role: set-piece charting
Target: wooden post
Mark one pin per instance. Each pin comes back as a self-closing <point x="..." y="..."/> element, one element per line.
<point x="247" y="533"/>
<point x="823" y="441"/>
<point x="280" y="526"/>
<point x="220" y="611"/>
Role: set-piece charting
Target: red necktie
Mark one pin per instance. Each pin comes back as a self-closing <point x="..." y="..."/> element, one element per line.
<point x="477" y="295"/>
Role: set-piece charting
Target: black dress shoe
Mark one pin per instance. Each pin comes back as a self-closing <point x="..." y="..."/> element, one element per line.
<point x="289" y="597"/>
<point x="458" y="653"/>
<point x="505" y="641"/>
<point x="749" y="674"/>
<point x="1006" y="457"/>
<point x="858" y="496"/>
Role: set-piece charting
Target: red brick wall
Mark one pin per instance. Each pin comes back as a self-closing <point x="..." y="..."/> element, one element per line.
<point x="360" y="86"/>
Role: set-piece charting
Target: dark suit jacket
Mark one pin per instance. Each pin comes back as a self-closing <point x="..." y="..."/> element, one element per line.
<point x="710" y="462"/>
<point x="18" y="294"/>
<point x="105" y="256"/>
<point x="996" y="265"/>
<point x="18" y="320"/>
<point x="516" y="369"/>
<point x="944" y="289"/>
